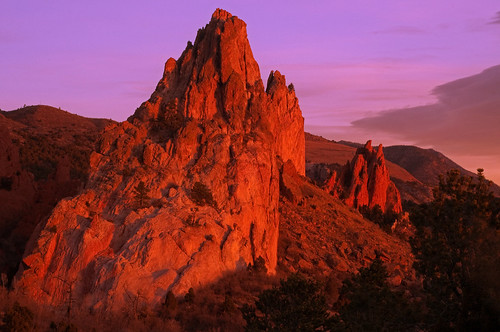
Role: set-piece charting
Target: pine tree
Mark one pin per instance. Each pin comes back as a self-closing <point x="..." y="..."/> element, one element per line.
<point x="456" y="250"/>
<point x="366" y="303"/>
<point x="296" y="305"/>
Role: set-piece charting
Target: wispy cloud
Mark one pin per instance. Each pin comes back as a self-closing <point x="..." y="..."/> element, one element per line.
<point x="463" y="122"/>
<point x="402" y="30"/>
<point x="495" y="19"/>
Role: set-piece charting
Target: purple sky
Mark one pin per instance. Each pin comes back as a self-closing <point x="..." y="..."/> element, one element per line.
<point x="348" y="60"/>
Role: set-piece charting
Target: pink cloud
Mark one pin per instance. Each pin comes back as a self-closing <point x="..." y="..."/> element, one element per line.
<point x="463" y="123"/>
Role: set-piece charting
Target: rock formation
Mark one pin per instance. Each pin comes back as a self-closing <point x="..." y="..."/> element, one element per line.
<point x="184" y="190"/>
<point x="365" y="181"/>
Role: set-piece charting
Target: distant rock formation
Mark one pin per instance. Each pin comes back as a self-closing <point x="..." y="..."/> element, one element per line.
<point x="184" y="190"/>
<point x="365" y="181"/>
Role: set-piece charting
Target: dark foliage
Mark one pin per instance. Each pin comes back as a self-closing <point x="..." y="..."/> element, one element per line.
<point x="169" y="120"/>
<point x="259" y="266"/>
<point x="169" y="307"/>
<point x="201" y="195"/>
<point x="40" y="155"/>
<point x="62" y="327"/>
<point x="366" y="303"/>
<point x="141" y="195"/>
<point x="189" y="297"/>
<point x="375" y="214"/>
<point x="457" y="253"/>
<point x="296" y="305"/>
<point x="6" y="183"/>
<point x="18" y="318"/>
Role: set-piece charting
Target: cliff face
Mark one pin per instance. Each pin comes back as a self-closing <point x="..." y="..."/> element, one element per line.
<point x="183" y="191"/>
<point x="365" y="181"/>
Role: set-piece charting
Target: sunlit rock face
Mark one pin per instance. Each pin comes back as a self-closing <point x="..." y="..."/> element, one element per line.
<point x="365" y="181"/>
<point x="209" y="124"/>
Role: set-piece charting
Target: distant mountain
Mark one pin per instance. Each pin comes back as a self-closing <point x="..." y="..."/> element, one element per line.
<point x="426" y="164"/>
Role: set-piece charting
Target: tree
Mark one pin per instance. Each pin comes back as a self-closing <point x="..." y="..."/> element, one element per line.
<point x="17" y="318"/>
<point x="457" y="234"/>
<point x="141" y="194"/>
<point x="296" y="305"/>
<point x="366" y="303"/>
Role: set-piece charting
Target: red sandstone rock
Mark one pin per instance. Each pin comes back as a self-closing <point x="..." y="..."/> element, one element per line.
<point x="210" y="121"/>
<point x="365" y="181"/>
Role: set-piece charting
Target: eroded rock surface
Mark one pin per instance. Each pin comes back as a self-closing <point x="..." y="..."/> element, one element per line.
<point x="204" y="147"/>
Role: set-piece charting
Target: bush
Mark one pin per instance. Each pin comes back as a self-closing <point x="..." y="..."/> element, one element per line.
<point x="296" y="305"/>
<point x="62" y="327"/>
<point x="18" y="318"/>
<point x="259" y="266"/>
<point x="6" y="183"/>
<point x="189" y="297"/>
<point x="201" y="195"/>
<point x="375" y="214"/>
<point x="456" y="253"/>
<point x="169" y="307"/>
<point x="141" y="195"/>
<point x="366" y="303"/>
<point x="169" y="120"/>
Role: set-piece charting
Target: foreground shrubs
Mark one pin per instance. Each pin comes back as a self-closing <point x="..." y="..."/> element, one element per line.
<point x="296" y="305"/>
<point x="18" y="318"/>
<point x="366" y="303"/>
<point x="384" y="219"/>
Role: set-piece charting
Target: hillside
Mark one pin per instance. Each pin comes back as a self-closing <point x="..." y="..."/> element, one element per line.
<point x="426" y="164"/>
<point x="44" y="157"/>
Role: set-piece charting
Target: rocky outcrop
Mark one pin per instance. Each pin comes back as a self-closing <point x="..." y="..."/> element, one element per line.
<point x="183" y="191"/>
<point x="365" y="181"/>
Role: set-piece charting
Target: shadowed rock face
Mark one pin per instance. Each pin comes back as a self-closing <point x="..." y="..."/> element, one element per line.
<point x="209" y="121"/>
<point x="365" y="181"/>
